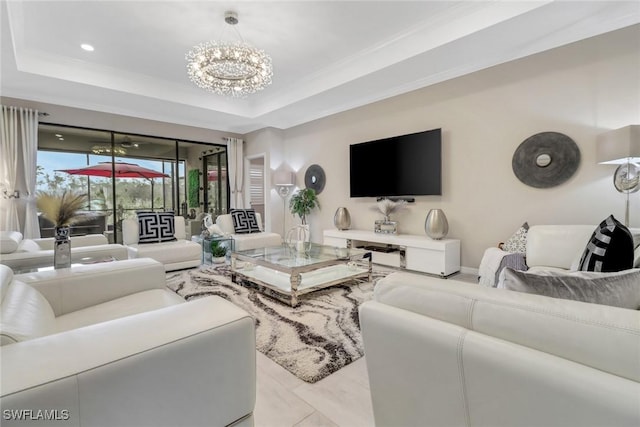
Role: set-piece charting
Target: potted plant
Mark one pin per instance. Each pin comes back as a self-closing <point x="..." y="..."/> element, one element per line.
<point x="218" y="252"/>
<point x="303" y="202"/>
<point x="64" y="211"/>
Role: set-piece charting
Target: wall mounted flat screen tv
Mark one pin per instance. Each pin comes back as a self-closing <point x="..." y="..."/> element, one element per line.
<point x="407" y="165"/>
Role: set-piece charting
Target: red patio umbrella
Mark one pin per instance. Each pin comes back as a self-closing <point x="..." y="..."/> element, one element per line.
<point x="213" y="175"/>
<point x="122" y="170"/>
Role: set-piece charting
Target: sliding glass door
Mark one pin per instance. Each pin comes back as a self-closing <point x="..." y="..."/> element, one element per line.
<point x="162" y="186"/>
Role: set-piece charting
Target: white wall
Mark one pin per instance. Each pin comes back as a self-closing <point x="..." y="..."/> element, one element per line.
<point x="580" y="90"/>
<point x="269" y="142"/>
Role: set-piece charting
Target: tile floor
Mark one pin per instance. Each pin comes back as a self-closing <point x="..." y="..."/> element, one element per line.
<point x="342" y="399"/>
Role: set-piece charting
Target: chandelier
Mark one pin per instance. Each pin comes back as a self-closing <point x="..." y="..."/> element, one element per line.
<point x="106" y="150"/>
<point x="233" y="69"/>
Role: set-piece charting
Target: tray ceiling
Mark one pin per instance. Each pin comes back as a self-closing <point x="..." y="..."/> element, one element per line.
<point x="328" y="56"/>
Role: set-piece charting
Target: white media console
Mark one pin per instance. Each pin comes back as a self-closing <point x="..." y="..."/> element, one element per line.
<point x="419" y="253"/>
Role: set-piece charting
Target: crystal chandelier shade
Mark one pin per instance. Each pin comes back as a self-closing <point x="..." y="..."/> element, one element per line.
<point x="106" y="149"/>
<point x="234" y="69"/>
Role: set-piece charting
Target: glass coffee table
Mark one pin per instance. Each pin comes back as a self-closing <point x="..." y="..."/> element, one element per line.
<point x="289" y="273"/>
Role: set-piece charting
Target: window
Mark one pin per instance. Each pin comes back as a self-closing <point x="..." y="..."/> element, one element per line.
<point x="163" y="187"/>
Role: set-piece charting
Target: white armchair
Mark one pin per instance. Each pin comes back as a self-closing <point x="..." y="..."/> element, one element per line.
<point x="175" y="255"/>
<point x="247" y="241"/>
<point x="109" y="344"/>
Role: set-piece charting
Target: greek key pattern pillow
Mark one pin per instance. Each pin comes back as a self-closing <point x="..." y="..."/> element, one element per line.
<point x="156" y="227"/>
<point x="244" y="221"/>
<point x="609" y="249"/>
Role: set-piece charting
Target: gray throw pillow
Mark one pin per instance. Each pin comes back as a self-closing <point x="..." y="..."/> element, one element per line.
<point x="619" y="289"/>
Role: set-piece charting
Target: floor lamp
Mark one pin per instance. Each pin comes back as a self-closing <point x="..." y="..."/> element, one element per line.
<point x="622" y="147"/>
<point x="284" y="181"/>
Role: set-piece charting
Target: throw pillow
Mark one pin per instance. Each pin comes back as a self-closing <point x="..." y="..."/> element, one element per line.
<point x="619" y="289"/>
<point x="244" y="221"/>
<point x="517" y="243"/>
<point x="166" y="227"/>
<point x="610" y="248"/>
<point x="9" y="241"/>
<point x="155" y="227"/>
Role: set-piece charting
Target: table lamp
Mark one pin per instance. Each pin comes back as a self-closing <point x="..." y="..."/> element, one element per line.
<point x="622" y="147"/>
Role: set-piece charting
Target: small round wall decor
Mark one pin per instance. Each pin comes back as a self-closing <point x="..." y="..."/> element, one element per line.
<point x="314" y="178"/>
<point x="546" y="159"/>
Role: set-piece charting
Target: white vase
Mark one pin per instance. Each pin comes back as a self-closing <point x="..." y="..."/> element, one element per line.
<point x="436" y="225"/>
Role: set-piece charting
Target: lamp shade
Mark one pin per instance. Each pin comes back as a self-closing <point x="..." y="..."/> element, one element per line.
<point x="619" y="146"/>
<point x="283" y="178"/>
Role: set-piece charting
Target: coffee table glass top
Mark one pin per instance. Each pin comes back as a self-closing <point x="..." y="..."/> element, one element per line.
<point x="286" y="256"/>
<point x="287" y="272"/>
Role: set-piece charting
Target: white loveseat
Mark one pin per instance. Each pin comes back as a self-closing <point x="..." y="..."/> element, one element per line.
<point x="548" y="248"/>
<point x="108" y="344"/>
<point x="250" y="240"/>
<point x="25" y="254"/>
<point x="175" y="255"/>
<point x="448" y="353"/>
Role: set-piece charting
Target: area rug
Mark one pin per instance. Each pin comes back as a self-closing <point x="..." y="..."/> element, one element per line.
<point x="313" y="340"/>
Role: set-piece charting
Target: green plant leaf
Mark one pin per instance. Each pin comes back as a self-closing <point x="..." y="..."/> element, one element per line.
<point x="303" y="202"/>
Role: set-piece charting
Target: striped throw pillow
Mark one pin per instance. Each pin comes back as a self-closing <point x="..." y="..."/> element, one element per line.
<point x="610" y="248"/>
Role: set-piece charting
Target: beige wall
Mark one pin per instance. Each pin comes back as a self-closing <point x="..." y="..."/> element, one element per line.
<point x="580" y="90"/>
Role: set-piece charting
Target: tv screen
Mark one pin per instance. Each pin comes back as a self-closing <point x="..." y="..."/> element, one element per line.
<point x="407" y="165"/>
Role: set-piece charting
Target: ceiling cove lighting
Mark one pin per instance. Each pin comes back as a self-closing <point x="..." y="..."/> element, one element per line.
<point x="234" y="69"/>
<point x="87" y="47"/>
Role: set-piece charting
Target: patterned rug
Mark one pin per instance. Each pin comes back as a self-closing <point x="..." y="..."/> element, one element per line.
<point x="314" y="339"/>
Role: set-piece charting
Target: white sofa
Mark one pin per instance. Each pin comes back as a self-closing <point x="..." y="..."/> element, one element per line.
<point x="448" y="353"/>
<point x="175" y="255"/>
<point x="26" y="254"/>
<point x="247" y="241"/>
<point x="108" y="344"/>
<point x="549" y="248"/>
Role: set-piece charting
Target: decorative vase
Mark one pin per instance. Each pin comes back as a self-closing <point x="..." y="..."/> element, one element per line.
<point x="218" y="259"/>
<point x="342" y="219"/>
<point x="436" y="225"/>
<point x="62" y="248"/>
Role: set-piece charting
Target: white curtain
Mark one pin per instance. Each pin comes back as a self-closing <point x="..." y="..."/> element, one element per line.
<point x="235" y="154"/>
<point x="8" y="172"/>
<point x="29" y="133"/>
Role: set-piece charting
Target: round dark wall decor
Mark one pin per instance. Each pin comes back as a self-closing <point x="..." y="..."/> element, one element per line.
<point x="314" y="178"/>
<point x="546" y="159"/>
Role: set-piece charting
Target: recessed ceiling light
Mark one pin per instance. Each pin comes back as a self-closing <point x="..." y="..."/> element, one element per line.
<point x="61" y="139"/>
<point x="87" y="47"/>
<point x="58" y="135"/>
